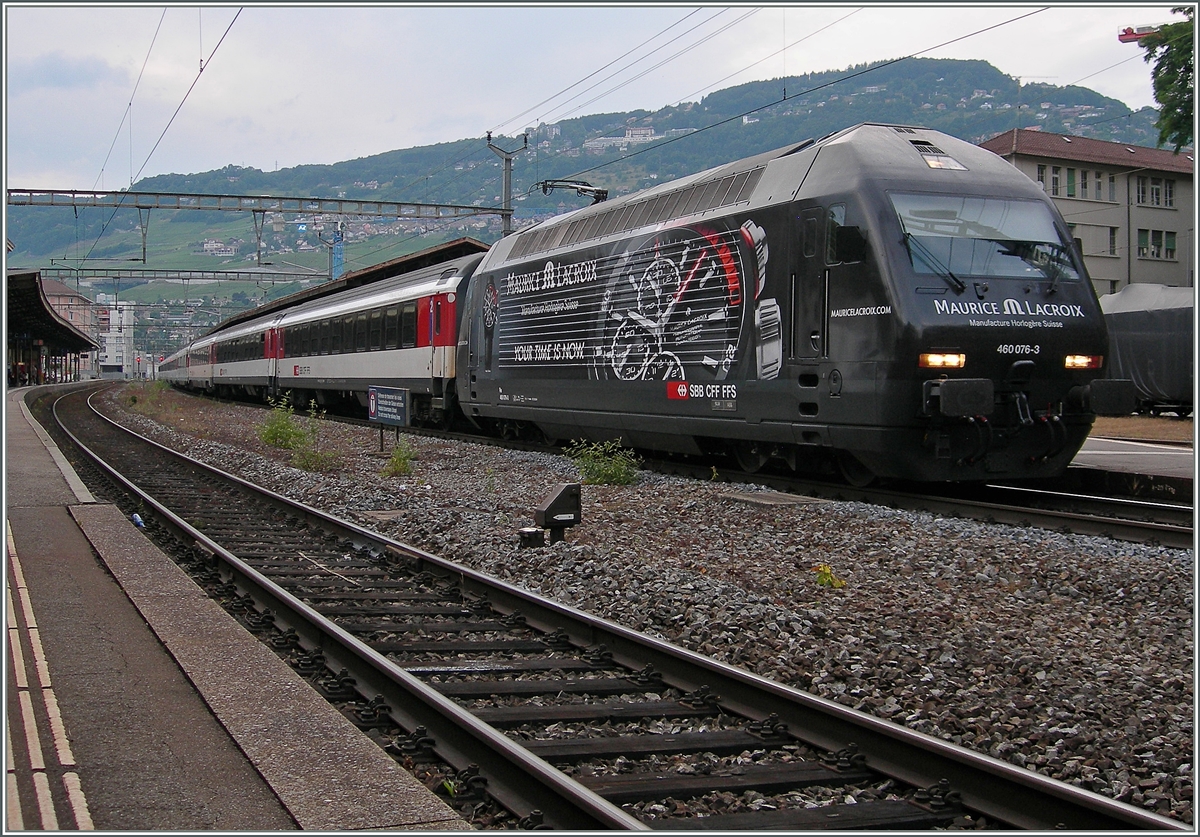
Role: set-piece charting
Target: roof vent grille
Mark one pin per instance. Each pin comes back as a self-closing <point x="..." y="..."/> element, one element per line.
<point x="926" y="147"/>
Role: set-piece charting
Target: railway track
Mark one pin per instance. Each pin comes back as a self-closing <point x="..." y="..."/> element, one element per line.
<point x="1044" y="506"/>
<point x="528" y="713"/>
<point x="1128" y="519"/>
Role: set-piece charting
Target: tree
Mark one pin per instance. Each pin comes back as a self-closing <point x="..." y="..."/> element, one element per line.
<point x="1171" y="47"/>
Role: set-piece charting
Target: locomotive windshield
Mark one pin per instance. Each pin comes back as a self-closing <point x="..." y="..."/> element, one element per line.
<point x="953" y="236"/>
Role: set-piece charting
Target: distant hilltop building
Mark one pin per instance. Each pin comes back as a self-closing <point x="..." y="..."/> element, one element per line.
<point x="634" y="136"/>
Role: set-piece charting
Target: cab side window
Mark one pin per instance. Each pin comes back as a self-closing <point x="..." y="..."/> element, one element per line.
<point x="834" y="221"/>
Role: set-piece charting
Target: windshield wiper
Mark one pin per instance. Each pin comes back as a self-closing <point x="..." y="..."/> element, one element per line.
<point x="933" y="261"/>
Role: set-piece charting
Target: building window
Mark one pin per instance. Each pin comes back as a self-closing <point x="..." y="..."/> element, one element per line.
<point x="1070" y="183"/>
<point x="1156" y="244"/>
<point x="1156" y="191"/>
<point x="1168" y="193"/>
<point x="1055" y="173"/>
<point x="1112" y="241"/>
<point x="1141" y="190"/>
<point x="1083" y="183"/>
<point x="1112" y="187"/>
<point x="1042" y="176"/>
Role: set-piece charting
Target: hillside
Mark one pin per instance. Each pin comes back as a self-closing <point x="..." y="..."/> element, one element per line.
<point x="968" y="99"/>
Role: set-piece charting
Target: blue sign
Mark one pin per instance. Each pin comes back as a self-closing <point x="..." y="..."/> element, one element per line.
<point x="388" y="405"/>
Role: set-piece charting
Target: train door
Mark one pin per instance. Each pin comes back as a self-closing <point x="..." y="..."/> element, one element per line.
<point x="435" y="324"/>
<point x="810" y="288"/>
<point x="269" y="338"/>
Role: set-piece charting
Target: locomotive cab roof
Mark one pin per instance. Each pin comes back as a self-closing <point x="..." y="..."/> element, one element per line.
<point x="868" y="153"/>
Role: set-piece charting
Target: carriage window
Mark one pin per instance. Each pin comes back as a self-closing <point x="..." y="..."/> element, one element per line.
<point x="376" y="330"/>
<point x="408" y="325"/>
<point x="391" y="328"/>
<point x="810" y="237"/>
<point x="325" y="337"/>
<point x="360" y="332"/>
<point x="348" y="334"/>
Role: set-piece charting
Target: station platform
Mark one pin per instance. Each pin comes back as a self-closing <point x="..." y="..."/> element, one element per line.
<point x="1151" y="470"/>
<point x="135" y="703"/>
<point x="1137" y="457"/>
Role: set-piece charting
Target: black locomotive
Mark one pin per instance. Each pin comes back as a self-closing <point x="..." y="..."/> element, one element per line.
<point x="887" y="300"/>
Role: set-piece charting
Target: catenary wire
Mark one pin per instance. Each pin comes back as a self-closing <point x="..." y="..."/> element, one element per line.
<point x="129" y="107"/>
<point x="880" y="66"/>
<point x="453" y="161"/>
<point x="622" y="84"/>
<point x="769" y="57"/>
<point x="500" y="125"/>
<point x="469" y="153"/>
<point x="164" y="132"/>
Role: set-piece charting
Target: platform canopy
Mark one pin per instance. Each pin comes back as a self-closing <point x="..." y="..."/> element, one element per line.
<point x="30" y="317"/>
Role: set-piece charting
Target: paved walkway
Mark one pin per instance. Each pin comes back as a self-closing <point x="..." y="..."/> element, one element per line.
<point x="136" y="703"/>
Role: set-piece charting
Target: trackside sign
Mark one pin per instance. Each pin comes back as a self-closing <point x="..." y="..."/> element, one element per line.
<point x="388" y="405"/>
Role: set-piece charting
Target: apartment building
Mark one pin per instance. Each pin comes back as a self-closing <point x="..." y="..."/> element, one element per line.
<point x="1131" y="209"/>
<point x="79" y="311"/>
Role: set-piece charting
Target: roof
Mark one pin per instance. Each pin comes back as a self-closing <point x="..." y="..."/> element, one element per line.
<point x="1028" y="143"/>
<point x="405" y="264"/>
<point x="53" y="287"/>
<point x="29" y="316"/>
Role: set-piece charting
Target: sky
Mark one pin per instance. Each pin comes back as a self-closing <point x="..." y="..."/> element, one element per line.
<point x="98" y="96"/>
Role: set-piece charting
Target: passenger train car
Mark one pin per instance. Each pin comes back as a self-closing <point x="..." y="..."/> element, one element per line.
<point x="888" y="300"/>
<point x="398" y="332"/>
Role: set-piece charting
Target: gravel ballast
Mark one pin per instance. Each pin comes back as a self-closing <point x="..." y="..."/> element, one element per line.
<point x="1065" y="654"/>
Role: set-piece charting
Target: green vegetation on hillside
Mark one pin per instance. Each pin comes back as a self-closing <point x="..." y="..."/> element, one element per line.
<point x="968" y="99"/>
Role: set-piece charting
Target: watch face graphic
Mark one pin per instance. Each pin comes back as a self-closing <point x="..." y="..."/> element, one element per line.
<point x="674" y="309"/>
<point x="491" y="305"/>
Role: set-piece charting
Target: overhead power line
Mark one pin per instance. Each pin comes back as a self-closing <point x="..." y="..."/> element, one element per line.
<point x="128" y="114"/>
<point x="674" y="40"/>
<point x="496" y="129"/>
<point x="785" y="97"/>
<point x="164" y="132"/>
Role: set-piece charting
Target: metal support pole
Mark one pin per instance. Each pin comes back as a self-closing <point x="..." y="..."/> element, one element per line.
<point x="260" y="218"/>
<point x="144" y="223"/>
<point x="507" y="157"/>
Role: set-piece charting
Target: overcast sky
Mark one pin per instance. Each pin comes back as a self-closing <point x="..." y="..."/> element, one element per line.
<point x="90" y="90"/>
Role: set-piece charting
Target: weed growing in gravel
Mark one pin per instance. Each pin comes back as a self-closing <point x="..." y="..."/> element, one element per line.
<point x="143" y="396"/>
<point x="308" y="455"/>
<point x="826" y="578"/>
<point x="604" y="463"/>
<point x="400" y="463"/>
<point x="280" y="429"/>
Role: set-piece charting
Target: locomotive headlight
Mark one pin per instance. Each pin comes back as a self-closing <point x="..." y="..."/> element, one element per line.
<point x="1084" y="361"/>
<point x="943" y="360"/>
